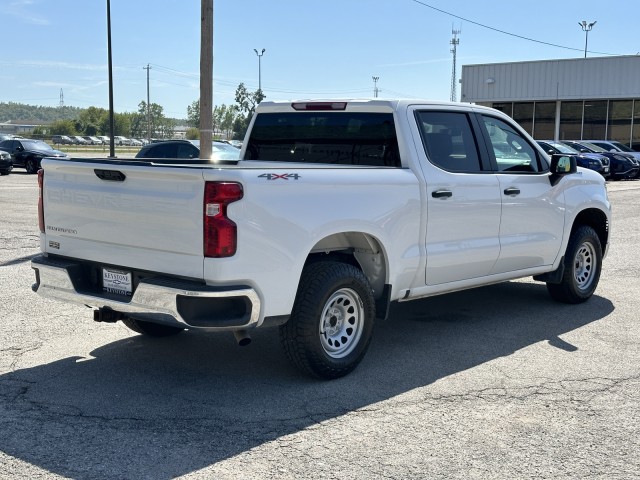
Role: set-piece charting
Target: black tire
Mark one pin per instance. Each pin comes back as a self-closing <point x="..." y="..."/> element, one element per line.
<point x="331" y="323"/>
<point x="582" y="266"/>
<point x="151" y="329"/>
<point x="31" y="165"/>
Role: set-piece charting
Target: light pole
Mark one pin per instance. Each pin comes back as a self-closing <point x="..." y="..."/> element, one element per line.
<point x="586" y="28"/>
<point x="112" y="148"/>
<point x="259" y="67"/>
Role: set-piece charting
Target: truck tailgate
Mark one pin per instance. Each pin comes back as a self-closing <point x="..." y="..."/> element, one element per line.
<point x="144" y="217"/>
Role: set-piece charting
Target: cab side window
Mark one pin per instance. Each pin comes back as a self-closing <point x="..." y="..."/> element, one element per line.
<point x="512" y="152"/>
<point x="449" y="141"/>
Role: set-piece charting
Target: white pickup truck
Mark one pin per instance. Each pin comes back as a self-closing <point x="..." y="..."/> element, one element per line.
<point x="334" y="210"/>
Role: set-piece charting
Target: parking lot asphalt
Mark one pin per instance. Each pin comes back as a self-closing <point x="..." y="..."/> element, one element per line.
<point x="498" y="382"/>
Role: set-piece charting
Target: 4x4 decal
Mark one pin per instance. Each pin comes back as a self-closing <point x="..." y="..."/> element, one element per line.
<point x="280" y="176"/>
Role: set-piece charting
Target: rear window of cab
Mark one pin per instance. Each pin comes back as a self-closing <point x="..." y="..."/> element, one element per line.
<point x="325" y="137"/>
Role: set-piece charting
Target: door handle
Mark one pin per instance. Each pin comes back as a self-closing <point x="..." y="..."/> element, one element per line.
<point x="512" y="191"/>
<point x="441" y="193"/>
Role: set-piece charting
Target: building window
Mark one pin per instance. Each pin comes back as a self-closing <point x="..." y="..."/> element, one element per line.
<point x="571" y="121"/>
<point x="523" y="114"/>
<point x="544" y="125"/>
<point x="635" y="137"/>
<point x="620" y="112"/>
<point x="595" y="120"/>
<point x="506" y="108"/>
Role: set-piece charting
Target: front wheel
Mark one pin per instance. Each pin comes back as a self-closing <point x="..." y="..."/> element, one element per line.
<point x="331" y="323"/>
<point x="582" y="266"/>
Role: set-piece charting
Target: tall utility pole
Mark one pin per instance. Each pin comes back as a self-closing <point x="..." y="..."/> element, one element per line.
<point x="586" y="28"/>
<point x="206" y="79"/>
<point x="147" y="68"/>
<point x="455" y="41"/>
<point x="112" y="147"/>
<point x="375" y="86"/>
<point x="61" y="99"/>
<point x="259" y="67"/>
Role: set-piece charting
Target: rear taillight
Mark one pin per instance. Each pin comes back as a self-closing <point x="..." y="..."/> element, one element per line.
<point x="220" y="233"/>
<point x="40" y="200"/>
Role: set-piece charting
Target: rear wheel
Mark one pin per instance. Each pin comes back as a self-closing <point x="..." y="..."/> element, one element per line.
<point x="582" y="266"/>
<point x="31" y="165"/>
<point x="151" y="329"/>
<point x="331" y="323"/>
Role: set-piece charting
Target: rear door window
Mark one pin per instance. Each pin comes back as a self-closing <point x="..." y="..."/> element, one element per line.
<point x="449" y="141"/>
<point x="342" y="138"/>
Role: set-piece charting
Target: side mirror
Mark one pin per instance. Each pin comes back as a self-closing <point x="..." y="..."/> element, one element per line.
<point x="562" y="165"/>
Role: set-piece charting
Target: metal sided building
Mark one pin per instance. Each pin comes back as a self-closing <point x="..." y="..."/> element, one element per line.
<point x="572" y="99"/>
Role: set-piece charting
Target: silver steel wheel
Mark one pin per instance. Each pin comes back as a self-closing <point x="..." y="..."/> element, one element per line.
<point x="584" y="265"/>
<point x="341" y="323"/>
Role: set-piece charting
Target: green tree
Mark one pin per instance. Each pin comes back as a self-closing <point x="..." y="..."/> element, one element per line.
<point x="192" y="134"/>
<point x="246" y="103"/>
<point x="63" y="127"/>
<point x="121" y="124"/>
<point x="161" y="126"/>
<point x="228" y="120"/>
<point x="90" y="119"/>
<point x="193" y="114"/>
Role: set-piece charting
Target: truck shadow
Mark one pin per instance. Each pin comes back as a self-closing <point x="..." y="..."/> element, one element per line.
<point x="143" y="408"/>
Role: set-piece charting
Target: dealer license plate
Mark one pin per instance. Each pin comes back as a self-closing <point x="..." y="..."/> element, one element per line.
<point x="116" y="281"/>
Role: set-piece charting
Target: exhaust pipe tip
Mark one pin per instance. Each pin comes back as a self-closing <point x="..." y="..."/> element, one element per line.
<point x="242" y="337"/>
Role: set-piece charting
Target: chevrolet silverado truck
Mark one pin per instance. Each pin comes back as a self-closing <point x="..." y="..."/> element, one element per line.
<point x="334" y="210"/>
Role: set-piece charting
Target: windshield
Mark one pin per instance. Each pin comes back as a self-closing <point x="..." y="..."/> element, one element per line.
<point x="594" y="148"/>
<point x="221" y="150"/>
<point x="562" y="148"/>
<point x="622" y="147"/>
<point x="37" y="145"/>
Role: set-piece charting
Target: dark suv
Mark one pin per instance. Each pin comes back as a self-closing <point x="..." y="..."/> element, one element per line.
<point x="28" y="153"/>
<point x="186" y="149"/>
<point x="623" y="165"/>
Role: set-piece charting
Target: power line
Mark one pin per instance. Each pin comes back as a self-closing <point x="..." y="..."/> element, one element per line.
<point x="504" y="32"/>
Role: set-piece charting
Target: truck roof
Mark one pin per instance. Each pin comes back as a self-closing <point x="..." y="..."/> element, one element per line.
<point x="358" y="104"/>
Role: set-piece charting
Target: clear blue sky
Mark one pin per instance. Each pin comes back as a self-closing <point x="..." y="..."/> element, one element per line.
<point x="314" y="48"/>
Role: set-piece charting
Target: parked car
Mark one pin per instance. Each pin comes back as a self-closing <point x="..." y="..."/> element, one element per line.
<point x="622" y="166"/>
<point x="120" y="140"/>
<point x="79" y="140"/>
<point x="28" y="153"/>
<point x="186" y="149"/>
<point x="135" y="142"/>
<point x="105" y="139"/>
<point x="92" y="140"/>
<point x="592" y="161"/>
<point x="614" y="146"/>
<point x="6" y="163"/>
<point x="61" y="140"/>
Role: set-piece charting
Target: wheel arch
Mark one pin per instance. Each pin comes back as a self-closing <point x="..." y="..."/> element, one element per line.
<point x="596" y="219"/>
<point x="365" y="252"/>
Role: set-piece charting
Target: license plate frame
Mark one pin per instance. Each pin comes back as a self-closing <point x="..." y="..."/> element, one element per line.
<point x="117" y="281"/>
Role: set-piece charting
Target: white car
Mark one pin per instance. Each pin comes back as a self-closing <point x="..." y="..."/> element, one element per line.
<point x="120" y="140"/>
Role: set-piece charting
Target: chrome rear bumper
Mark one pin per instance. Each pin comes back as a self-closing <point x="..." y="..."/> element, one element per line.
<point x="188" y="303"/>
